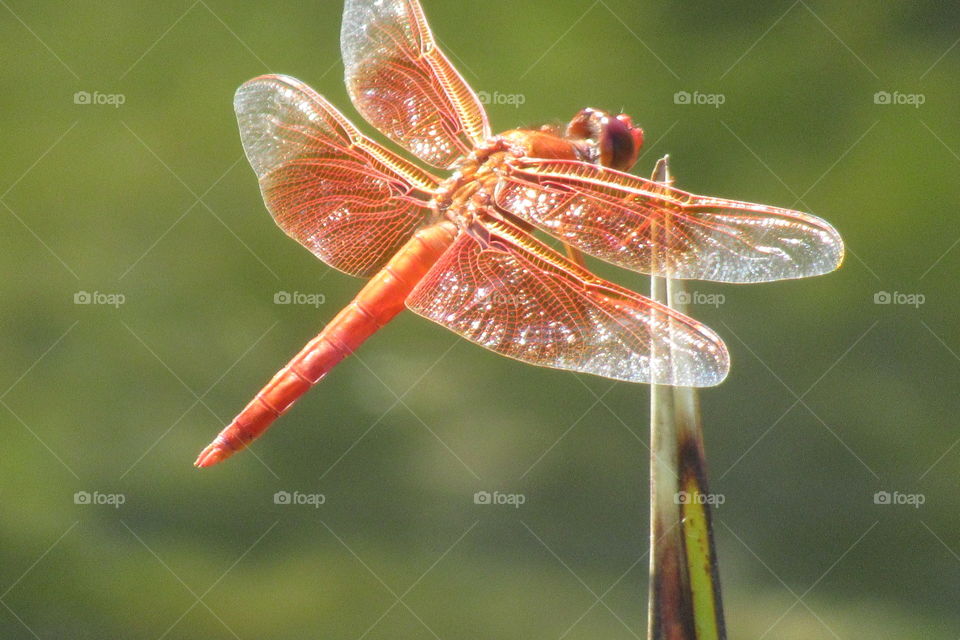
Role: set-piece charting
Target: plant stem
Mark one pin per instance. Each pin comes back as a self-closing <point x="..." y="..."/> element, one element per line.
<point x="684" y="597"/>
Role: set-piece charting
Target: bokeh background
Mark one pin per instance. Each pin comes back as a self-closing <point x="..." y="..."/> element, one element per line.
<point x="832" y="397"/>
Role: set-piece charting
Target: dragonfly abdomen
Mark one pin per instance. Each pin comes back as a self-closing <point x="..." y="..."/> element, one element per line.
<point x="377" y="303"/>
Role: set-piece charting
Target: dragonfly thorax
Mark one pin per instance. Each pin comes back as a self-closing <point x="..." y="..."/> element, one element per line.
<point x="472" y="185"/>
<point x="592" y="136"/>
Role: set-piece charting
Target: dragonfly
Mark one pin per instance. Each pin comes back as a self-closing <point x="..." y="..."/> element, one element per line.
<point x="461" y="248"/>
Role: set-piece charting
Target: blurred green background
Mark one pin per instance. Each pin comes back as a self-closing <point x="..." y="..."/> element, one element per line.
<point x="831" y="398"/>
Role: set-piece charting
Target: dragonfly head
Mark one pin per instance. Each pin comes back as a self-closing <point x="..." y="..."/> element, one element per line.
<point x="613" y="140"/>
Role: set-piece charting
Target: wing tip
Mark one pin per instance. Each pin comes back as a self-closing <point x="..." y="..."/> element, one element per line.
<point x="712" y="379"/>
<point x="841" y="249"/>
<point x="266" y="78"/>
<point x="240" y="96"/>
<point x="257" y="101"/>
<point x="713" y="371"/>
<point x="709" y="364"/>
<point x="832" y="255"/>
<point x="832" y="246"/>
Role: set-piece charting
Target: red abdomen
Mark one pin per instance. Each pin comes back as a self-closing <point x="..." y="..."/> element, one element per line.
<point x="377" y="303"/>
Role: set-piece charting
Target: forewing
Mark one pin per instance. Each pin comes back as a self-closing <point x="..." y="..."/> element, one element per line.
<point x="507" y="292"/>
<point x="346" y="199"/>
<point x="404" y="85"/>
<point x="655" y="229"/>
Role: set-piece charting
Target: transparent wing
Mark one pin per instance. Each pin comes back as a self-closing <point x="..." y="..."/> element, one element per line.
<point x="507" y="292"/>
<point x="652" y="228"/>
<point x="342" y="196"/>
<point x="404" y="85"/>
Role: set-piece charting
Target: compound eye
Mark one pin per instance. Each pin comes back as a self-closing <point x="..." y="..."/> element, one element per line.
<point x="620" y="143"/>
<point x="612" y="141"/>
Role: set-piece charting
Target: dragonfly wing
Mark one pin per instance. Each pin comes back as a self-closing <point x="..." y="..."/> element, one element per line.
<point x="506" y="291"/>
<point x="342" y="196"/>
<point x="648" y="227"/>
<point x="404" y="85"/>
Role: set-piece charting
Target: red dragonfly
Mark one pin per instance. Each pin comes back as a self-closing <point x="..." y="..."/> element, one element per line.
<point x="460" y="250"/>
